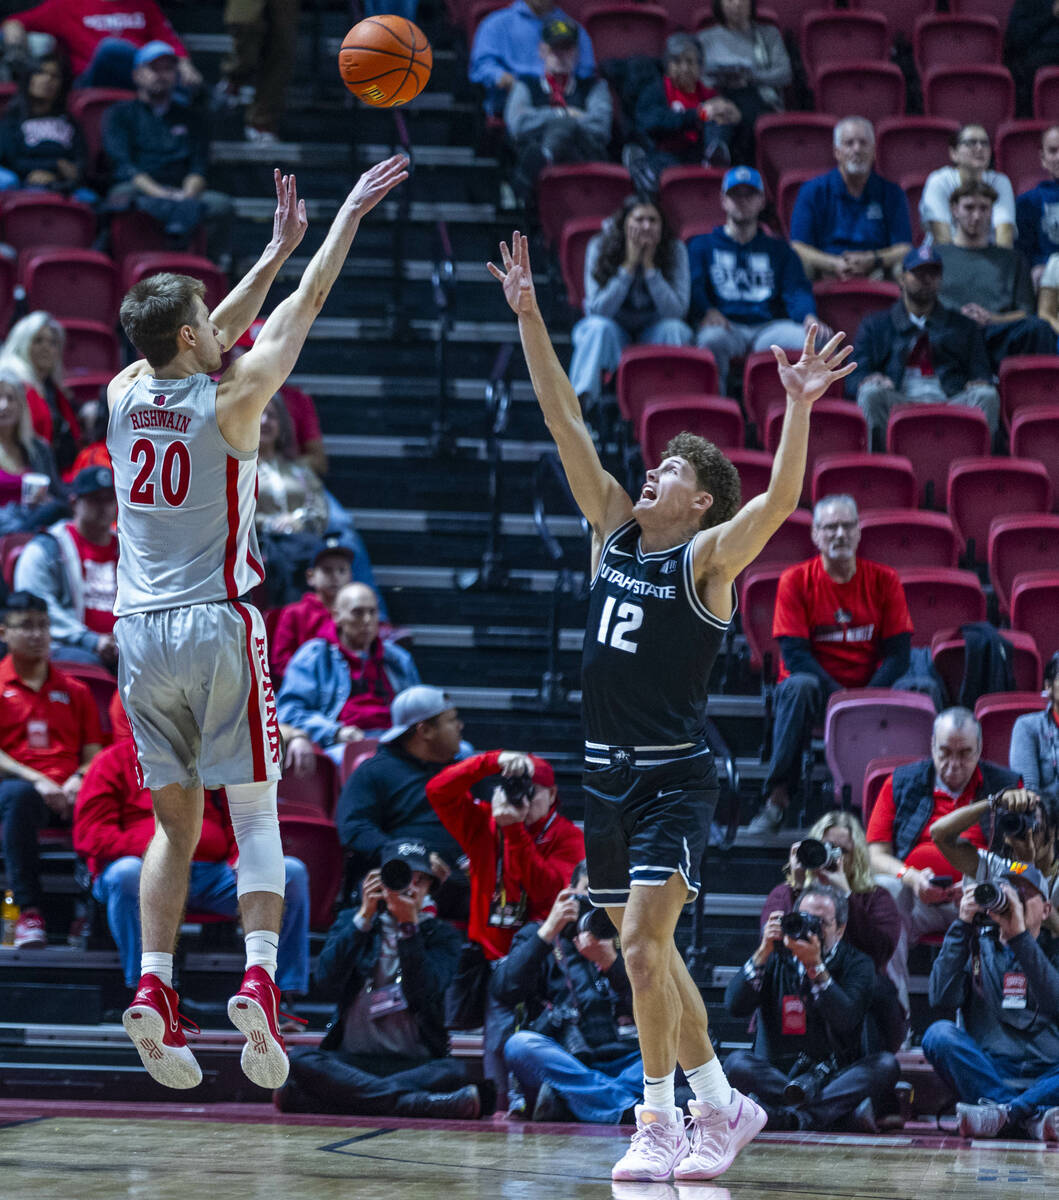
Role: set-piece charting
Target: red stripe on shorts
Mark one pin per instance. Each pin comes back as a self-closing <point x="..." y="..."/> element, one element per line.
<point x="257" y="734"/>
<point x="230" y="542"/>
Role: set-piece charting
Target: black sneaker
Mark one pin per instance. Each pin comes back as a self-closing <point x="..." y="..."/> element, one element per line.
<point x="550" y="1106"/>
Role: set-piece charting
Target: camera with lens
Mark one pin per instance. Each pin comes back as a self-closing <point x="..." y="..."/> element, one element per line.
<point x="1017" y="824"/>
<point x="518" y="789"/>
<point x="807" y="1078"/>
<point x="800" y="926"/>
<point x="590" y="920"/>
<point x="395" y="874"/>
<point x="991" y="898"/>
<point x="815" y="855"/>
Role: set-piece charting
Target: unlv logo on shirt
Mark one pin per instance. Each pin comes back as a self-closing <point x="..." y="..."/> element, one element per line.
<point x="159" y="400"/>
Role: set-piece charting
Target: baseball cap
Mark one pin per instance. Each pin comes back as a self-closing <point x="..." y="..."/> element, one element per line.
<point x="329" y="544"/>
<point x="414" y="704"/>
<point x="559" y="31"/>
<point x="413" y="854"/>
<point x="1029" y="873"/>
<point x="543" y="772"/>
<point x="921" y="256"/>
<point x="153" y="50"/>
<point x="92" y="479"/>
<point x="742" y="175"/>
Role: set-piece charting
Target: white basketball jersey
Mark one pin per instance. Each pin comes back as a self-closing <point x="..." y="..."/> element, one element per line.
<point x="186" y="498"/>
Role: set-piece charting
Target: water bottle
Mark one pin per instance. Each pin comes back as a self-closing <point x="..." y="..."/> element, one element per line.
<point x="10" y="914"/>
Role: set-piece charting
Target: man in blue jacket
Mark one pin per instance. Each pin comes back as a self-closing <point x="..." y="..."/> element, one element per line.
<point x="749" y="289"/>
<point x="1037" y="210"/>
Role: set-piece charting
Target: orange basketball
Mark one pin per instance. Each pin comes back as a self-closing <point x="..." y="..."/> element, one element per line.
<point x="385" y="60"/>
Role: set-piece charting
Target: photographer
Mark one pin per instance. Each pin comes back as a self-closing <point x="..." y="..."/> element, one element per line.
<point x="811" y="990"/>
<point x="386" y="1050"/>
<point x="1007" y="990"/>
<point x="569" y="1056"/>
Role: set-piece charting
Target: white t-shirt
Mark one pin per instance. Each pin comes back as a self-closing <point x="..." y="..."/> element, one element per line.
<point x="939" y="186"/>
<point x="1050" y="278"/>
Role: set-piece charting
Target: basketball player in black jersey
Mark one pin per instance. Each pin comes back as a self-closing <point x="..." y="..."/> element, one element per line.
<point x="661" y="601"/>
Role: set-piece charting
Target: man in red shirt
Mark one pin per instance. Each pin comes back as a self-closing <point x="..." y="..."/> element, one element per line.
<point x="903" y="854"/>
<point x="49" y="733"/>
<point x="841" y="622"/>
<point x="329" y="570"/>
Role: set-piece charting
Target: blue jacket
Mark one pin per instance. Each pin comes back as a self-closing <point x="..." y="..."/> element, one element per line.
<point x="761" y="281"/>
<point x="826" y="215"/>
<point x="509" y="40"/>
<point x="1037" y="218"/>
<point x="317" y="685"/>
<point x="1035" y="751"/>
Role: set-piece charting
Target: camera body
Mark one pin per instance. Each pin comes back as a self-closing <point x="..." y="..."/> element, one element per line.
<point x="518" y="789"/>
<point x="590" y="920"/>
<point x="1017" y="824"/>
<point x="816" y="855"/>
<point x="800" y="927"/>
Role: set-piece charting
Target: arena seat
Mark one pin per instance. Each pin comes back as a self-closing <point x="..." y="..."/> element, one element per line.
<point x="1034" y="604"/>
<point x="579" y="190"/>
<point x="787" y="189"/>
<point x="573" y="251"/>
<point x="837" y="427"/>
<point x="997" y="713"/>
<point x="649" y="372"/>
<point x="912" y="145"/>
<point x="623" y="30"/>
<point x="948" y="649"/>
<point x="907" y="537"/>
<point x="1046" y="94"/>
<point x="11" y="545"/>
<point x="791" y="543"/>
<point x="354" y="754"/>
<point x="73" y="283"/>
<point x="87" y="107"/>
<point x="8" y="279"/>
<point x="805" y="138"/>
<point x="690" y="197"/>
<point x="950" y="39"/>
<point x="984" y="91"/>
<point x="1018" y="152"/>
<point x="844" y="303"/>
<point x="873" y="480"/>
<point x="1024" y="542"/>
<point x="102" y="684"/>
<point x="871" y="89"/>
<point x="90" y="346"/>
<point x="912" y="185"/>
<point x="757" y="603"/>
<point x="32" y="219"/>
<point x="139" y="266"/>
<point x="1035" y="434"/>
<point x="314" y="839"/>
<point x="902" y="14"/>
<point x="876" y="773"/>
<point x="755" y="471"/>
<point x="940" y="598"/>
<point x="931" y="436"/>
<point x="86" y="387"/>
<point x="981" y="488"/>
<point x="716" y="418"/>
<point x="762" y="389"/>
<point x="316" y="793"/>
<point x="1027" y="379"/>
<point x="134" y="232"/>
<point x="830" y="37"/>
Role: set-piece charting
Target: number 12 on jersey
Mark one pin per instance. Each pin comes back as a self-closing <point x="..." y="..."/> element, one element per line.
<point x="629" y="618"/>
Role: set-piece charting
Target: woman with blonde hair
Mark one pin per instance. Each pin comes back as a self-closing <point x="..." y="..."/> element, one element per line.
<point x="23" y="454"/>
<point x="33" y="350"/>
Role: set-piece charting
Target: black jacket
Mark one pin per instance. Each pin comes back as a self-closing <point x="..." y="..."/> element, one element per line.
<point x="168" y="147"/>
<point x="428" y="962"/>
<point x="1032" y="28"/>
<point x="30" y="143"/>
<point x="884" y="341"/>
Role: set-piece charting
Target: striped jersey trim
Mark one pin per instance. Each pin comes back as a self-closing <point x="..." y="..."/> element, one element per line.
<point x="608" y="544"/>
<point x="695" y="600"/>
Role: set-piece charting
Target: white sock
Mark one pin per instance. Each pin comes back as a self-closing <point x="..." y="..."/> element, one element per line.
<point x="710" y="1084"/>
<point x="262" y="946"/>
<point x="155" y="962"/>
<point x="658" y="1093"/>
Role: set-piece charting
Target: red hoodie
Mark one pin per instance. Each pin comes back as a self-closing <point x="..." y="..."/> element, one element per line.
<point x="82" y="24"/>
<point x="299" y="623"/>
<point x="537" y="859"/>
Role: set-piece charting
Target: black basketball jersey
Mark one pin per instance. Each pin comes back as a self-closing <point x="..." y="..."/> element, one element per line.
<point x="650" y="645"/>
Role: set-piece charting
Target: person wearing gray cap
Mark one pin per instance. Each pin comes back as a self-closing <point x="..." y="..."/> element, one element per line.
<point x="73" y="567"/>
<point x="1002" y="973"/>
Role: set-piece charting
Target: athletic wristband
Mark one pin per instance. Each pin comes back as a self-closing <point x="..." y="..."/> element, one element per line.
<point x="902" y="873"/>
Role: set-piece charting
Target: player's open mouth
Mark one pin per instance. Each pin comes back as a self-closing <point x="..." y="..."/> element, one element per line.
<point x="648" y="492"/>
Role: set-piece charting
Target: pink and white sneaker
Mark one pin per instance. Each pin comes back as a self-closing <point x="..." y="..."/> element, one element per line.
<point x="157" y="1032"/>
<point x="30" y="932"/>
<point x="718" y="1134"/>
<point x="254" y="1011"/>
<point x="658" y="1144"/>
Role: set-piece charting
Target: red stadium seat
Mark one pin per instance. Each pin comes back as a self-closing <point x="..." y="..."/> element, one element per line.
<point x="1018" y="152"/>
<point x="799" y="137"/>
<point x="945" y="39"/>
<point x="133" y="232"/>
<point x="838" y="427"/>
<point x="1034" y="603"/>
<point x="314" y="839"/>
<point x="140" y="266"/>
<point x="1035" y="434"/>
<point x="981" y="488"/>
<point x="762" y="389"/>
<point x="90" y="386"/>
<point x="948" y="650"/>
<point x="829" y="37"/>
<point x="11" y="545"/>
<point x="757" y="603"/>
<point x="622" y="30"/>
<point x="1025" y="542"/>
<point x="102" y="684"/>
<point x="985" y="91"/>
<point x="871" y="89"/>
<point x="940" y="598"/>
<point x="791" y="543"/>
<point x="8" y="273"/>
<point x="316" y="793"/>
<point x="580" y="190"/>
<point x="354" y="754"/>
<point x="73" y="283"/>
<point x="912" y="145"/>
<point x="651" y="372"/>
<point x="986" y="8"/>
<point x="690" y="197"/>
<point x="862" y="724"/>
<point x="755" y="471"/>
<point x="90" y="347"/>
<point x="787" y="189"/>
<point x="931" y="436"/>
<point x="912" y="186"/>
<point x="902" y="14"/>
<point x="1046" y="94"/>
<point x="873" y="480"/>
<point x="38" y="219"/>
<point x="844" y="303"/>
<point x="908" y="538"/>
<point x="997" y="714"/>
<point x="573" y="251"/>
<point x="1027" y="379"/>
<point x="716" y="418"/>
<point x="87" y="106"/>
<point x="787" y="16"/>
<point x="876" y="773"/>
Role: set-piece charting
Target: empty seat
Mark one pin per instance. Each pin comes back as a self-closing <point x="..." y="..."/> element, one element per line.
<point x="762" y="389"/>
<point x="91" y="347"/>
<point x="873" y="480"/>
<point x="317" y="792"/>
<point x="101" y="683"/>
<point x="844" y="303"/>
<point x="985" y="93"/>
<point x="622" y="30"/>
<point x="1035" y="434"/>
<point x="902" y="14"/>
<point x="755" y="471"/>
<point x="757" y="602"/>
<point x="948" y="39"/>
<point x="573" y="251"/>
<point x="11" y="545"/>
<point x="829" y="37"/>
<point x="580" y="190"/>
<point x="87" y="106"/>
<point x="314" y="839"/>
<point x="793" y="137"/>
<point x="651" y="372"/>
<point x="862" y="724"/>
<point x="1034" y="604"/>
<point x="73" y="283"/>
<point x="1018" y="152"/>
<point x="912" y="145"/>
<point x="787" y="189"/>
<point x="32" y="219"/>
<point x="140" y="266"/>
<point x="1025" y="542"/>
<point x="908" y="538"/>
<point x="691" y="197"/>
<point x="90" y="386"/>
<point x="940" y="598"/>
<point x="837" y="427"/>
<point x="997" y="713"/>
<point x="871" y="89"/>
<point x="980" y="489"/>
<point x="931" y="436"/>
<point x="791" y="543"/>
<point x="1046" y="94"/>
<point x="948" y="650"/>
<point x="716" y="418"/>
<point x="1027" y="379"/>
<point x="133" y="232"/>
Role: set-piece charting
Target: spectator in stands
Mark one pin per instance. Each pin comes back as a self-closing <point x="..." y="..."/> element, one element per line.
<point x="903" y="855"/>
<point x="93" y="418"/>
<point x="31" y="495"/>
<point x="748" y="288"/>
<point x="971" y="152"/>
<point x="569" y="1056"/>
<point x="556" y="116"/>
<point x="158" y="149"/>
<point x="1035" y="739"/>
<point x="33" y="350"/>
<point x="113" y="825"/>
<point x="73" y="566"/>
<point x="386" y="1053"/>
<point x="842" y="622"/>
<point x="990" y="284"/>
<point x="1037" y="211"/>
<point x="264" y="37"/>
<point x="637" y="289"/>
<point x="49" y="733"/>
<point x="851" y="223"/>
<point x="330" y="569"/>
<point x="506" y="46"/>
<point x="1006" y="988"/>
<point x="746" y="60"/>
<point x="1031" y="41"/>
<point x="339" y="691"/>
<point x="920" y="352"/>
<point x="41" y="145"/>
<point x="811" y="991"/>
<point x="101" y="37"/>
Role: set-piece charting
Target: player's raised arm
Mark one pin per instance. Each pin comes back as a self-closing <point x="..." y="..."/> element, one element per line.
<point x="723" y="551"/>
<point x="600" y="497"/>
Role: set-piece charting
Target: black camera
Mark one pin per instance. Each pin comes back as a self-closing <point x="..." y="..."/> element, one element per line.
<point x="1017" y="824"/>
<point x="806" y="1079"/>
<point x="991" y="898"/>
<point x="815" y="855"/>
<point x="800" y="926"/>
<point x="518" y="789"/>
<point x="395" y="874"/>
<point x="590" y="920"/>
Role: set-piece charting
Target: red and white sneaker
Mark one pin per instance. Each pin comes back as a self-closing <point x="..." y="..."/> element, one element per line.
<point x="157" y="1032"/>
<point x="254" y="1011"/>
<point x="30" y="932"/>
<point x="718" y="1134"/>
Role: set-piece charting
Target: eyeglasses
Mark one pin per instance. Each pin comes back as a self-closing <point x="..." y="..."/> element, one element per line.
<point x="982" y="141"/>
<point x="837" y="526"/>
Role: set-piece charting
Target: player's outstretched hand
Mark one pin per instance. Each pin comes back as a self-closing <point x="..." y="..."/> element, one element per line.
<point x="810" y="377"/>
<point x="290" y="222"/>
<point x="377" y="182"/>
<point x="517" y="276"/>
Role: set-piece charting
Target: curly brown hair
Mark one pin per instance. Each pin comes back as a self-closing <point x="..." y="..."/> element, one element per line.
<point x="612" y="242"/>
<point x="714" y="473"/>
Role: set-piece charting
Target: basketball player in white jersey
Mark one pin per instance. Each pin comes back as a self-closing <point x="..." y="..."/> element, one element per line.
<point x="660" y="603"/>
<point x="193" y="661"/>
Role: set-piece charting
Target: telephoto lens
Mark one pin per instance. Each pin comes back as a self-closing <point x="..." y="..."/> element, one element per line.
<point x="815" y="855"/>
<point x="1016" y="824"/>
<point x="597" y="923"/>
<point x="395" y="874"/>
<point x="800" y="927"/>
<point x="991" y="897"/>
<point x="518" y="789"/>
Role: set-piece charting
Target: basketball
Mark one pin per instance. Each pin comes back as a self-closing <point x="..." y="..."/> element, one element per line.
<point x="385" y="60"/>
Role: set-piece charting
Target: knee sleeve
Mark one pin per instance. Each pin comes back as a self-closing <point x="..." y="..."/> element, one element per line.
<point x="256" y="825"/>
